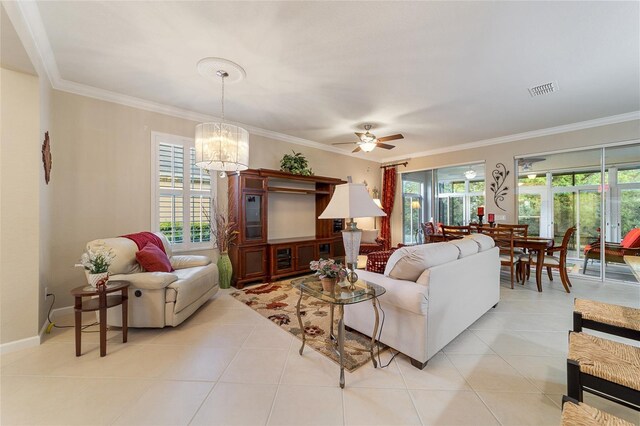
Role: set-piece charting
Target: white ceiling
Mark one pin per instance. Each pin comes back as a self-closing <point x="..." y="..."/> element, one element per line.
<point x="441" y="73"/>
<point x="12" y="53"/>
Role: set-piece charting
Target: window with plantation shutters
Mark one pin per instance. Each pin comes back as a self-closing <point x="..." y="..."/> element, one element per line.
<point x="182" y="193"/>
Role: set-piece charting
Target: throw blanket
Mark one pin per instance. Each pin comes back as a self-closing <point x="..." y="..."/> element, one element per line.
<point x="142" y="238"/>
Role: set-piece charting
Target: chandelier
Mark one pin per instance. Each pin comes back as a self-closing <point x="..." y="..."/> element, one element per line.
<point x="221" y="146"/>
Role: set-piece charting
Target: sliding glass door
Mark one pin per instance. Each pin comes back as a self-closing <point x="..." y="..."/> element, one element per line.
<point x="596" y="190"/>
<point x="449" y="195"/>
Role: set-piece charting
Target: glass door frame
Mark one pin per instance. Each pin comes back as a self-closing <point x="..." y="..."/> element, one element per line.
<point x="607" y="207"/>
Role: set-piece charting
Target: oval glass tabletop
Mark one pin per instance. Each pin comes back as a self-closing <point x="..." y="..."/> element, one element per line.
<point x="341" y="295"/>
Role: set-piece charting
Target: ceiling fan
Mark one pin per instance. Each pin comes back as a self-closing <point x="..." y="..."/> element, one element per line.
<point x="526" y="163"/>
<point x="368" y="141"/>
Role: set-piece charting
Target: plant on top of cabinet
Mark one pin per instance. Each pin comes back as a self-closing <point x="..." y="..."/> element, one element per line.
<point x="296" y="164"/>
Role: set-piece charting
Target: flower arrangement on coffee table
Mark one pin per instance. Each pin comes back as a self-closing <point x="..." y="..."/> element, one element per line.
<point x="329" y="272"/>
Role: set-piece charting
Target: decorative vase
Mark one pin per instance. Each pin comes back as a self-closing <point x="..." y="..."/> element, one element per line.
<point x="328" y="284"/>
<point x="225" y="269"/>
<point x="94" y="279"/>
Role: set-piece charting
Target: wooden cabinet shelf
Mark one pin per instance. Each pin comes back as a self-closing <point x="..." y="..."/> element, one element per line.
<point x="255" y="257"/>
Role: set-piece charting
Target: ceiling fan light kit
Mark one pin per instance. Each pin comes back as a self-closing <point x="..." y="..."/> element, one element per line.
<point x="368" y="141"/>
<point x="221" y="146"/>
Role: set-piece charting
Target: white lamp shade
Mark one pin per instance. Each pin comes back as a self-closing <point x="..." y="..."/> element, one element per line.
<point x="378" y="202"/>
<point x="222" y="146"/>
<point x="351" y="200"/>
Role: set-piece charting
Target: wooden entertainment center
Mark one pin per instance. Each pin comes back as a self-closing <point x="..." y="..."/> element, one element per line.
<point x="257" y="258"/>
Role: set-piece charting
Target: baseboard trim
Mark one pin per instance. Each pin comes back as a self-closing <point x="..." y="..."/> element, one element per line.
<point x="16" y="345"/>
<point x="65" y="310"/>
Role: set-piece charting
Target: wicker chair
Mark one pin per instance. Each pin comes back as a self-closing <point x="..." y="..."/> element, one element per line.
<point x="613" y="252"/>
<point x="605" y="368"/>
<point x="607" y="318"/>
<point x="576" y="413"/>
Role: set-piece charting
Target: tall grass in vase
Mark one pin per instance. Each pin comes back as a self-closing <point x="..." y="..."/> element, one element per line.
<point x="225" y="234"/>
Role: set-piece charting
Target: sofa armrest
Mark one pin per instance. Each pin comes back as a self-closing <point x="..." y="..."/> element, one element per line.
<point x="189" y="261"/>
<point x="147" y="280"/>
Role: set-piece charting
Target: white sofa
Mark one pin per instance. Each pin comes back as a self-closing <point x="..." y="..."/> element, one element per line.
<point x="433" y="293"/>
<point x="159" y="299"/>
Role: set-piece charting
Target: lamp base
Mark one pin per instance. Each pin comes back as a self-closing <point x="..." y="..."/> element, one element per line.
<point x="352" y="276"/>
<point x="351" y="240"/>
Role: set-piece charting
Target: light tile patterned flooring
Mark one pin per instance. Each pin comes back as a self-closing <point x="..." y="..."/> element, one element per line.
<point x="229" y="365"/>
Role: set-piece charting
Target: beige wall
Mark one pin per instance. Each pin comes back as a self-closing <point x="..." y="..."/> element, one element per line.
<point x="19" y="206"/>
<point x="45" y="201"/>
<point x="505" y="153"/>
<point x="100" y="185"/>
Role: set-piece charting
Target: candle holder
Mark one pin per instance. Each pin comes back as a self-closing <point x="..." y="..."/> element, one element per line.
<point x="491" y="220"/>
<point x="480" y="216"/>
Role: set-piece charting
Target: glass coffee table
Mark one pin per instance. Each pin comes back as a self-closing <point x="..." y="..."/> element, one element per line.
<point x="341" y="296"/>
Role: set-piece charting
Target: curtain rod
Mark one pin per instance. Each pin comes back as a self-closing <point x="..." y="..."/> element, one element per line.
<point x="395" y="164"/>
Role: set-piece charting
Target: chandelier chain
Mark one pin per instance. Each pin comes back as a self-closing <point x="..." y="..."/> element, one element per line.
<point x="223" y="76"/>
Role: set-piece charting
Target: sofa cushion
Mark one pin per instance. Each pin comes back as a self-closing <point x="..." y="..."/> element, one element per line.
<point x="165" y="243"/>
<point x="124" y="250"/>
<point x="466" y="246"/>
<point x="189" y="261"/>
<point x="147" y="280"/>
<point x="407" y="263"/>
<point x="153" y="259"/>
<point x="401" y="294"/>
<point x="369" y="236"/>
<point x="192" y="284"/>
<point x="632" y="239"/>
<point x="484" y="242"/>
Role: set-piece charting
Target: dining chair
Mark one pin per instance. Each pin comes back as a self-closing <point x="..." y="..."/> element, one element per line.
<point x="503" y="238"/>
<point x="551" y="262"/>
<point x="428" y="229"/>
<point x="519" y="230"/>
<point x="451" y="232"/>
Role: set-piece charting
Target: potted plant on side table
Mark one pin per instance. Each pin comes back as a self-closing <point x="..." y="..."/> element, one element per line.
<point x="329" y="273"/>
<point x="96" y="264"/>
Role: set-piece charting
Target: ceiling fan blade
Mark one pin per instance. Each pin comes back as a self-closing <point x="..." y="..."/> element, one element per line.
<point x="344" y="143"/>
<point x="390" y="138"/>
<point x="358" y="149"/>
<point x="385" y="146"/>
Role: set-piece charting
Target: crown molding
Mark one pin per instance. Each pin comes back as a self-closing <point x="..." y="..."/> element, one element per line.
<point x="25" y="16"/>
<point x="620" y="118"/>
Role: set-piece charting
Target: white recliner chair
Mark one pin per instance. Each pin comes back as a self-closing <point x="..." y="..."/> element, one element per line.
<point x="159" y="299"/>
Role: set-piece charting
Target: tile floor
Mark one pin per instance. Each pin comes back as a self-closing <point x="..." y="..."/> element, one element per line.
<point x="229" y="365"/>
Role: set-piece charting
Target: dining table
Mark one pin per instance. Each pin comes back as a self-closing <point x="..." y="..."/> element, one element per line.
<point x="539" y="245"/>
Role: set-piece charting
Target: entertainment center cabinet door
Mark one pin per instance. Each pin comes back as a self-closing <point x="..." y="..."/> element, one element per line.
<point x="281" y="259"/>
<point x="305" y="253"/>
<point x="253" y="262"/>
<point x="254" y="224"/>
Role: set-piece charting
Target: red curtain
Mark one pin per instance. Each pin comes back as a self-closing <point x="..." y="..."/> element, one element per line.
<point x="388" y="196"/>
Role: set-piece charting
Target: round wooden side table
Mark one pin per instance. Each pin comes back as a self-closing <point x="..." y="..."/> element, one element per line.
<point x="101" y="304"/>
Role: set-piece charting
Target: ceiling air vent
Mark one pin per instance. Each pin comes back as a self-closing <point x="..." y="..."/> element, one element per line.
<point x="543" y="89"/>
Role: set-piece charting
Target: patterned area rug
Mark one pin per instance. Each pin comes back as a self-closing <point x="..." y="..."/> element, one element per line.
<point x="277" y="302"/>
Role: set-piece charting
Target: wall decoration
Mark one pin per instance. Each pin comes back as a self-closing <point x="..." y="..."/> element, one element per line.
<point x="499" y="175"/>
<point x="46" y="157"/>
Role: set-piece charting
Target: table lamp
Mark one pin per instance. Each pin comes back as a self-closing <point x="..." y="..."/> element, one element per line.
<point x="349" y="201"/>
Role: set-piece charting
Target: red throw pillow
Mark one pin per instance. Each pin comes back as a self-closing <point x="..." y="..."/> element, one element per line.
<point x="152" y="259"/>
